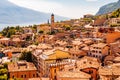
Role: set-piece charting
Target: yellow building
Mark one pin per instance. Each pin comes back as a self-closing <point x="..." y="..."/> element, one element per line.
<point x="50" y="61"/>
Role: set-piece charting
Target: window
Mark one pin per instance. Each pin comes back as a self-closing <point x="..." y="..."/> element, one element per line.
<point x="33" y="75"/>
<point x="55" y="78"/>
<point x="90" y="62"/>
<point x="84" y="62"/>
<point x="61" y="69"/>
<point x="100" y="52"/>
<point x="37" y="75"/>
<point x="96" y="56"/>
<point x="21" y="76"/>
<point x="13" y="76"/>
<point x="91" y="71"/>
<point x="96" y="51"/>
<point x="89" y="54"/>
<point x="55" y="71"/>
<point x="93" y="51"/>
<point x="71" y="69"/>
<point x="99" y="48"/>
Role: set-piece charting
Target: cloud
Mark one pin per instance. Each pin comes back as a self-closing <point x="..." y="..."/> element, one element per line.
<point x="72" y="11"/>
<point x="38" y="5"/>
<point x="91" y="0"/>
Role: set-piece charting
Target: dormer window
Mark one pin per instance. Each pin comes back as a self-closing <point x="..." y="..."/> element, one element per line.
<point x="90" y="62"/>
<point x="84" y="62"/>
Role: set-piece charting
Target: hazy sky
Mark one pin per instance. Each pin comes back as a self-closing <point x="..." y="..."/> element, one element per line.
<point x="68" y="8"/>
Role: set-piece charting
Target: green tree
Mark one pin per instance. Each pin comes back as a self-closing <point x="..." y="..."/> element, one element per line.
<point x="67" y="28"/>
<point x="28" y="38"/>
<point x="26" y="55"/>
<point x="17" y="28"/>
<point x="3" y="71"/>
<point x="1" y="66"/>
<point x="116" y="14"/>
<point x="41" y="31"/>
<point x="3" y="77"/>
<point x="10" y="33"/>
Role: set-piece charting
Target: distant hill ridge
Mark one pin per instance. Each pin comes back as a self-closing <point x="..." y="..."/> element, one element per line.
<point x="108" y="8"/>
<point x="13" y="14"/>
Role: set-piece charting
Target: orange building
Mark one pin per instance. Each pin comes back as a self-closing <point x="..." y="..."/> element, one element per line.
<point x="92" y="71"/>
<point x="22" y="69"/>
<point x="53" y="71"/>
<point x="58" y="66"/>
<point x="89" y="65"/>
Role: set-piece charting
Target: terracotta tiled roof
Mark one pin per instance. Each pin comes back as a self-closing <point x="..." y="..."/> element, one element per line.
<point x="35" y="79"/>
<point x="6" y="39"/>
<point x="88" y="62"/>
<point x="54" y="54"/>
<point x="112" y="37"/>
<point x="101" y="45"/>
<point x="21" y="66"/>
<point x="78" y="52"/>
<point x="68" y="74"/>
<point x="99" y="22"/>
<point x="110" y="70"/>
<point x="109" y="58"/>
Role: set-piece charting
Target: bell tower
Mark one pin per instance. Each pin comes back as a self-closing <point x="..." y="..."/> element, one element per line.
<point x="52" y="21"/>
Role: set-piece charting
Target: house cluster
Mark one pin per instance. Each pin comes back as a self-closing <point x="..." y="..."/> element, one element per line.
<point x="90" y="52"/>
<point x="19" y="39"/>
<point x="79" y="58"/>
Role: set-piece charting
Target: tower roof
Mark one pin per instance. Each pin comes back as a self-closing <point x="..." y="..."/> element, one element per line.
<point x="52" y="14"/>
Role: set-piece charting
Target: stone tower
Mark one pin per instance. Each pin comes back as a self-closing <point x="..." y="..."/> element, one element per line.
<point x="52" y="21"/>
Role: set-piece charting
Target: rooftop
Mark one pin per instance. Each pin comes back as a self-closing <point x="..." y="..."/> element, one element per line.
<point x="68" y="74"/>
<point x="44" y="46"/>
<point x="88" y="62"/>
<point x="76" y="42"/>
<point x="101" y="45"/>
<point x="5" y="39"/>
<point x="110" y="70"/>
<point x="61" y="42"/>
<point x="54" y="54"/>
<point x="16" y="39"/>
<point x="99" y="22"/>
<point x="35" y="79"/>
<point x="78" y="52"/>
<point x="117" y="59"/>
<point x="21" y="66"/>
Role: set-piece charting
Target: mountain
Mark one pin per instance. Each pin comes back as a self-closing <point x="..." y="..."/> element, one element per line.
<point x="109" y="8"/>
<point x="13" y="14"/>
